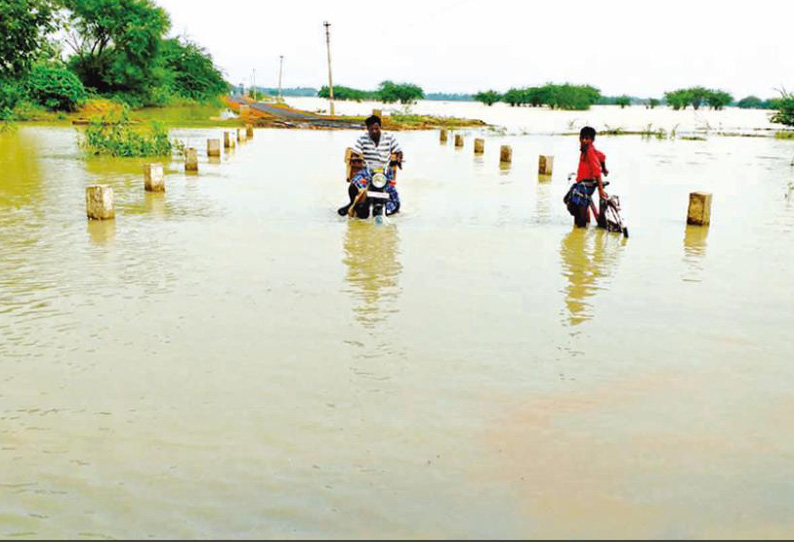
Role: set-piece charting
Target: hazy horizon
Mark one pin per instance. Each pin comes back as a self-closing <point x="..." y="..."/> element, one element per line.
<point x="458" y="46"/>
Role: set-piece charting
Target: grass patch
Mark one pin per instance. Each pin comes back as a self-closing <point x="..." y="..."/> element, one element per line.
<point x="784" y="134"/>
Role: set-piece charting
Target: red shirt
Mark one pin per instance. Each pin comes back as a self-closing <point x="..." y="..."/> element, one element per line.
<point x="589" y="165"/>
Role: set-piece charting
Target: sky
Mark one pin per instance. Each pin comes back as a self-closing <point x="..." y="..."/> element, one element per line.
<point x="622" y="47"/>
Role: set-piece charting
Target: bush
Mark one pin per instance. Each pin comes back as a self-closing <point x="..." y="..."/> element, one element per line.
<point x="112" y="134"/>
<point x="57" y="89"/>
<point x="785" y="110"/>
<point x="10" y="95"/>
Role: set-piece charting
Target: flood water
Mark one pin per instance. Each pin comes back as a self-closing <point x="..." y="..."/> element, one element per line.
<point x="233" y="359"/>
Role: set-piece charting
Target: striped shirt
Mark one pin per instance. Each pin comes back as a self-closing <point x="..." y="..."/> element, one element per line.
<point x="377" y="156"/>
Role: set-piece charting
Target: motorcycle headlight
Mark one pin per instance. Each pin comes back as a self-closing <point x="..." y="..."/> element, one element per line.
<point x="379" y="180"/>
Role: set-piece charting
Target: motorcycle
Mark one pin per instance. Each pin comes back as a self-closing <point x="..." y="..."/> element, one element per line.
<point x="373" y="193"/>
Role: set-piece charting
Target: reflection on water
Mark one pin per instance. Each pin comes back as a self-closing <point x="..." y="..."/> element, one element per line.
<point x="588" y="258"/>
<point x="102" y="232"/>
<point x="371" y="256"/>
<point x="695" y="244"/>
<point x="155" y="203"/>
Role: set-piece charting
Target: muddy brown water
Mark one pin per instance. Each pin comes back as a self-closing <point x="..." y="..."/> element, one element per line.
<point x="233" y="359"/>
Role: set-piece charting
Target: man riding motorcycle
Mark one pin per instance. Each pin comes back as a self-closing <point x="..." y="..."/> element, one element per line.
<point x="376" y="151"/>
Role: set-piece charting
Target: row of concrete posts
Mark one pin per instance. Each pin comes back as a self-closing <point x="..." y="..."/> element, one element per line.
<point x="99" y="197"/>
<point x="545" y="163"/>
<point x="699" y="213"/>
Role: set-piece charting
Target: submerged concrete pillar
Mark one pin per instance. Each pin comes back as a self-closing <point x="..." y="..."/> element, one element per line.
<point x="458" y="141"/>
<point x="214" y="148"/>
<point x="153" y="178"/>
<point x="506" y="154"/>
<point x="546" y="165"/>
<point x="228" y="140"/>
<point x="479" y="146"/>
<point x="699" y="209"/>
<point x="249" y="131"/>
<point x="444" y="137"/>
<point x="99" y="202"/>
<point x="191" y="159"/>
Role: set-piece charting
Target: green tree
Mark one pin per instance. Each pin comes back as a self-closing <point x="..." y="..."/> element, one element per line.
<point x="347" y="94"/>
<point x="405" y="93"/>
<point x="623" y="101"/>
<point x="752" y="102"/>
<point x="488" y="97"/>
<point x="678" y="99"/>
<point x="56" y="88"/>
<point x="514" y="97"/>
<point x="189" y="71"/>
<point x="653" y="103"/>
<point x="116" y="43"/>
<point x="718" y="99"/>
<point x="24" y="25"/>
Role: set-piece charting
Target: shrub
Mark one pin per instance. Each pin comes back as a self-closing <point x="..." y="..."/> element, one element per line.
<point x="623" y="101"/>
<point x="57" y="89"/>
<point x="10" y="95"/>
<point x="785" y="110"/>
<point x="112" y="134"/>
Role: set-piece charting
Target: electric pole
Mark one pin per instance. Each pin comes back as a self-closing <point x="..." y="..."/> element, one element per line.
<point x="254" y="84"/>
<point x="330" y="77"/>
<point x="280" y="72"/>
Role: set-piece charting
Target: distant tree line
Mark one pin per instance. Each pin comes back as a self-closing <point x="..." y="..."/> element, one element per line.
<point x="566" y="97"/>
<point x="108" y="48"/>
<point x="388" y="92"/>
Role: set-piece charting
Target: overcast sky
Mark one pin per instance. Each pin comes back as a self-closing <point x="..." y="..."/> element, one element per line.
<point x="620" y="46"/>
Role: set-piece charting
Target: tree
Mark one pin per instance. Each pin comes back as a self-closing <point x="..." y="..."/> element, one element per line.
<point x="24" y="25"/>
<point x="623" y="101"/>
<point x="489" y="97"/>
<point x="752" y="102"/>
<point x="116" y="43"/>
<point x="678" y="99"/>
<point x="189" y="71"/>
<point x="653" y="103"/>
<point x="404" y="93"/>
<point x="718" y="99"/>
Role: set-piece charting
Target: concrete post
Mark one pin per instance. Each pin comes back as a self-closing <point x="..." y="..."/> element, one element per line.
<point x="191" y="159"/>
<point x="228" y="140"/>
<point x="699" y="209"/>
<point x="444" y="136"/>
<point x="99" y="202"/>
<point x="506" y="154"/>
<point x="241" y="135"/>
<point x="479" y="146"/>
<point x="153" y="178"/>
<point x="458" y="141"/>
<point x="249" y="131"/>
<point x="245" y="110"/>
<point x="546" y="165"/>
<point x="214" y="148"/>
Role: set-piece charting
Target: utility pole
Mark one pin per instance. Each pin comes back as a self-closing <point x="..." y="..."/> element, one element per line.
<point x="330" y="77"/>
<point x="254" y="84"/>
<point x="280" y="72"/>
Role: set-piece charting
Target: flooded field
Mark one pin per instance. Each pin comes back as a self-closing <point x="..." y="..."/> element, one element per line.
<point x="233" y="359"/>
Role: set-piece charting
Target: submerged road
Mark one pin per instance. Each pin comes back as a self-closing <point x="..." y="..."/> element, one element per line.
<point x="291" y="116"/>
